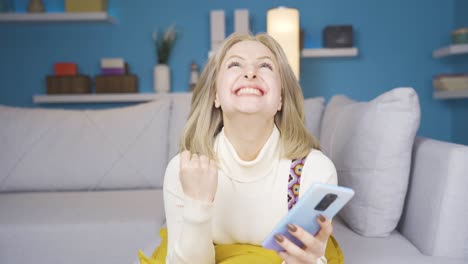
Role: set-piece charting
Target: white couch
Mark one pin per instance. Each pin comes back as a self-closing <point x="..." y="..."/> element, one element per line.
<point x="84" y="186"/>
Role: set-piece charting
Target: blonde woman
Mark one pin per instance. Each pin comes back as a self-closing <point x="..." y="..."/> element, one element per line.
<point x="229" y="185"/>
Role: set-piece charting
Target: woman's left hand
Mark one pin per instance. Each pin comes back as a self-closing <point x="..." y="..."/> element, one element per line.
<point x="314" y="246"/>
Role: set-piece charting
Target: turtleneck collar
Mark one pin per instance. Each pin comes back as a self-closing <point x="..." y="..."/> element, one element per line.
<point x="248" y="171"/>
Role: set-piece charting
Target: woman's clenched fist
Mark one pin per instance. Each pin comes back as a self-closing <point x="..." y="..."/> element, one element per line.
<point x="198" y="176"/>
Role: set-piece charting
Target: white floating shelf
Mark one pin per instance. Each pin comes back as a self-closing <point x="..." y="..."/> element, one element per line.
<point x="101" y="98"/>
<point x="450" y="50"/>
<point x="329" y="52"/>
<point x="451" y="94"/>
<point x="56" y="17"/>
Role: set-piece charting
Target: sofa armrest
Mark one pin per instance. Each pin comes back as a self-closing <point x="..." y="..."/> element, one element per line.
<point x="436" y="210"/>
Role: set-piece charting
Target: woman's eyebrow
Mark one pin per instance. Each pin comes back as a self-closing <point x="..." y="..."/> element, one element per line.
<point x="235" y="56"/>
<point x="264" y="57"/>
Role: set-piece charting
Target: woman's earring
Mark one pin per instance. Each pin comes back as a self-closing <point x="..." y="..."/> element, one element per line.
<point x="216" y="103"/>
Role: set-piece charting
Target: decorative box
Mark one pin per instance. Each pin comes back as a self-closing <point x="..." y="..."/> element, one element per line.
<point x="340" y="36"/>
<point x="65" y="69"/>
<point x="127" y="83"/>
<point x="85" y="5"/>
<point x="79" y="84"/>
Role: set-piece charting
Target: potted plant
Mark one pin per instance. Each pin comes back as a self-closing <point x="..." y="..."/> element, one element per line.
<point x="163" y="47"/>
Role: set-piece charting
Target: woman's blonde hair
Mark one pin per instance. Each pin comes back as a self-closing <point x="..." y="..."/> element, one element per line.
<point x="206" y="121"/>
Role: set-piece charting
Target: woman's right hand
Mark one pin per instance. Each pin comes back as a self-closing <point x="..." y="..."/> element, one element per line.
<point x="198" y="176"/>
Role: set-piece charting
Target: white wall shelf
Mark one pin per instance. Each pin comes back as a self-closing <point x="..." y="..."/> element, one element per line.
<point x="444" y="52"/>
<point x="451" y="94"/>
<point x="57" y="17"/>
<point x="329" y="52"/>
<point x="450" y="50"/>
<point x="101" y="98"/>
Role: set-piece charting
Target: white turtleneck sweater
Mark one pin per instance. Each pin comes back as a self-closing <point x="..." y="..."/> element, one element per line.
<point x="251" y="199"/>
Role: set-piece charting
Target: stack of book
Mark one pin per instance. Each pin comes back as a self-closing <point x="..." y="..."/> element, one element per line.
<point x="113" y="66"/>
<point x="115" y="77"/>
<point x="85" y="5"/>
<point x="457" y="81"/>
<point x="66" y="80"/>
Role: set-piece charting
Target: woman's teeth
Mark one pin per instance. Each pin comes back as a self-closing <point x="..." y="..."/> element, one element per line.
<point x="249" y="91"/>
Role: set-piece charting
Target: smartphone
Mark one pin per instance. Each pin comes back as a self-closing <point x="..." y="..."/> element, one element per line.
<point x="319" y="199"/>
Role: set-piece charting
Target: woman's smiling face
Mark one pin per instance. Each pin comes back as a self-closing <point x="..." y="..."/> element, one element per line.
<point x="248" y="81"/>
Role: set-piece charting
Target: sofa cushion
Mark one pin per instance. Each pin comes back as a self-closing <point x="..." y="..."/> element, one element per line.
<point x="313" y="108"/>
<point x="54" y="149"/>
<point x="370" y="144"/>
<point x="78" y="227"/>
<point x="394" y="248"/>
<point x="435" y="215"/>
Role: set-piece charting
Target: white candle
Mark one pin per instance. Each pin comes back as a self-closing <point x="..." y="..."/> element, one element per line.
<point x="283" y="26"/>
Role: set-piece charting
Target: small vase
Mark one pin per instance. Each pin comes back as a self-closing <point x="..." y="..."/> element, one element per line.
<point x="35" y="6"/>
<point x="162" y="78"/>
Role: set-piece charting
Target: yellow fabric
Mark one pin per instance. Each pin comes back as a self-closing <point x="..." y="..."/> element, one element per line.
<point x="240" y="253"/>
<point x="333" y="252"/>
<point x="159" y="254"/>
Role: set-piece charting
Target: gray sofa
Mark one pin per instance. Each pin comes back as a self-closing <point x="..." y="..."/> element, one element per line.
<point x="84" y="186"/>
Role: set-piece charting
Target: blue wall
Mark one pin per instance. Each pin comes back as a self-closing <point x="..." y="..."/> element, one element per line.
<point x="395" y="40"/>
<point x="460" y="107"/>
